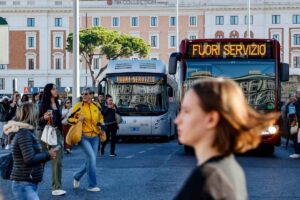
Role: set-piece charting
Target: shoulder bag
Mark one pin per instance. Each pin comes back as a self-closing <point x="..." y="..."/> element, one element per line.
<point x="75" y="132"/>
<point x="49" y="134"/>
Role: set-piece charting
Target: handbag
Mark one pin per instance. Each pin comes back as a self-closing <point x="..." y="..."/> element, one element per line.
<point x="74" y="134"/>
<point x="102" y="136"/>
<point x="294" y="126"/>
<point x="294" y="129"/>
<point x="6" y="165"/>
<point x="49" y="134"/>
<point x="118" y="118"/>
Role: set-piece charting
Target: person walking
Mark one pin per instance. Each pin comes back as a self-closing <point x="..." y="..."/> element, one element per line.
<point x="49" y="110"/>
<point x="296" y="154"/>
<point x="216" y="120"/>
<point x="4" y="112"/>
<point x="66" y="110"/>
<point x="109" y="113"/>
<point x="88" y="112"/>
<point x="290" y="115"/>
<point x="28" y="167"/>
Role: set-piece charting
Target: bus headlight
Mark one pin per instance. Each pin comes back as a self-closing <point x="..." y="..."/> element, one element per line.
<point x="271" y="130"/>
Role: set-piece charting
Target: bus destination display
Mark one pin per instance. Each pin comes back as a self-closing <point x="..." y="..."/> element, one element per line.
<point x="201" y="50"/>
<point x="136" y="79"/>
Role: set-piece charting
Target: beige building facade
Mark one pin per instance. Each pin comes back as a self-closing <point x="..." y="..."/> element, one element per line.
<point x="38" y="30"/>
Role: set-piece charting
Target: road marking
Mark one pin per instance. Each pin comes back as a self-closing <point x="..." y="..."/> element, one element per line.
<point x="131" y="156"/>
<point x="142" y="151"/>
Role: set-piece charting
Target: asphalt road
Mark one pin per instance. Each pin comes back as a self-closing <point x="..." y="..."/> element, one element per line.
<point x="154" y="171"/>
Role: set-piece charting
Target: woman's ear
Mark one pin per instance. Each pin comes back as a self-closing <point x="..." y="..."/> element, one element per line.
<point x="213" y="119"/>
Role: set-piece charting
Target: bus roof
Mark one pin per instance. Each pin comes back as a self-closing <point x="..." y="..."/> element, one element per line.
<point x="139" y="66"/>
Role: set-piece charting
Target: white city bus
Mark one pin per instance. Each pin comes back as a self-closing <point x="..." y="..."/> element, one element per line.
<point x="144" y="95"/>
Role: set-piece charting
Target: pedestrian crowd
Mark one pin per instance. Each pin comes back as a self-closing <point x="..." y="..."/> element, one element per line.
<point x="215" y="119"/>
<point x="24" y="125"/>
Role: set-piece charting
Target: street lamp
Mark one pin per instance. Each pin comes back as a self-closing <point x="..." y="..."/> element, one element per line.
<point x="177" y="28"/>
<point x="249" y="3"/>
<point x="76" y="80"/>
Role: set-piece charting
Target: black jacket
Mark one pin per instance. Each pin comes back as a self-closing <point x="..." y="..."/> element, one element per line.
<point x="28" y="158"/>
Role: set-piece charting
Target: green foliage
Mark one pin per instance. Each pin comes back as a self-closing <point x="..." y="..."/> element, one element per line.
<point x="112" y="44"/>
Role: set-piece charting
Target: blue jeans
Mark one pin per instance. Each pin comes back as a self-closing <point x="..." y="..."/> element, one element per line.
<point x="89" y="146"/>
<point x="24" y="190"/>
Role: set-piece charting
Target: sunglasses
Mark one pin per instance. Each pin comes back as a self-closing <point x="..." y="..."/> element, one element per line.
<point x="84" y="94"/>
<point x="68" y="102"/>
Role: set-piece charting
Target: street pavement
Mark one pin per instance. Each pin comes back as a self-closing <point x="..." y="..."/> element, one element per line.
<point x="155" y="171"/>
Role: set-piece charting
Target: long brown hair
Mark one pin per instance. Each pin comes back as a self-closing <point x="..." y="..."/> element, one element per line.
<point x="240" y="126"/>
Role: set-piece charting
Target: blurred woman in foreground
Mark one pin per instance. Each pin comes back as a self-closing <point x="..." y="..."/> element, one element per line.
<point x="216" y="120"/>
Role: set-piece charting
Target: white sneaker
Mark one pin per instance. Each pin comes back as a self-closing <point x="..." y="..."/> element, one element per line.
<point x="58" y="192"/>
<point x="76" y="184"/>
<point x="94" y="189"/>
<point x="294" y="156"/>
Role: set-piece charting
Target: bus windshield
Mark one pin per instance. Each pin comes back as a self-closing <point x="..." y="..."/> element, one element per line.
<point x="256" y="78"/>
<point x="139" y="95"/>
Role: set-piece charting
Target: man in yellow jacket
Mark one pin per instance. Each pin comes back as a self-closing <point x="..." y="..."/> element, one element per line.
<point x="89" y="113"/>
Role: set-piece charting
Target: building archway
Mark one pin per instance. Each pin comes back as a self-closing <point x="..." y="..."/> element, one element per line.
<point x="234" y="34"/>
<point x="246" y="34"/>
<point x="219" y="34"/>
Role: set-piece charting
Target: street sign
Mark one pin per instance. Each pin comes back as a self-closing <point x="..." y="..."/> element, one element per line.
<point x="26" y="89"/>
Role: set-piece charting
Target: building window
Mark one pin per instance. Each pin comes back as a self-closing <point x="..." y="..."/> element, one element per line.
<point x="172" y="41"/>
<point x="153" y="21"/>
<point x="276" y="37"/>
<point x="172" y="21"/>
<point x="30" y="42"/>
<point x="234" y="20"/>
<point x="58" y="22"/>
<point x="115" y="21"/>
<point x="16" y="3"/>
<point x="193" y="21"/>
<point x="30" y="83"/>
<point x="58" y="64"/>
<point x="96" y="63"/>
<point x="30" y="3"/>
<point x="296" y="61"/>
<point x="192" y="37"/>
<point x="96" y="21"/>
<point x="30" y="22"/>
<point x="58" y="3"/>
<point x="31" y="64"/>
<point x="58" y="82"/>
<point x="219" y="20"/>
<point x="296" y="19"/>
<point x="251" y="19"/>
<point x="2" y="66"/>
<point x="58" y="42"/>
<point x="2" y="83"/>
<point x="134" y="21"/>
<point x="154" y="41"/>
<point x="275" y="19"/>
<point x="296" y="39"/>
<point x="2" y="3"/>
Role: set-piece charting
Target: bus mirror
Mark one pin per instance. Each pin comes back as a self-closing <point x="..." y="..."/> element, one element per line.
<point x="170" y="92"/>
<point x="101" y="87"/>
<point x="284" y="72"/>
<point x="174" y="57"/>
